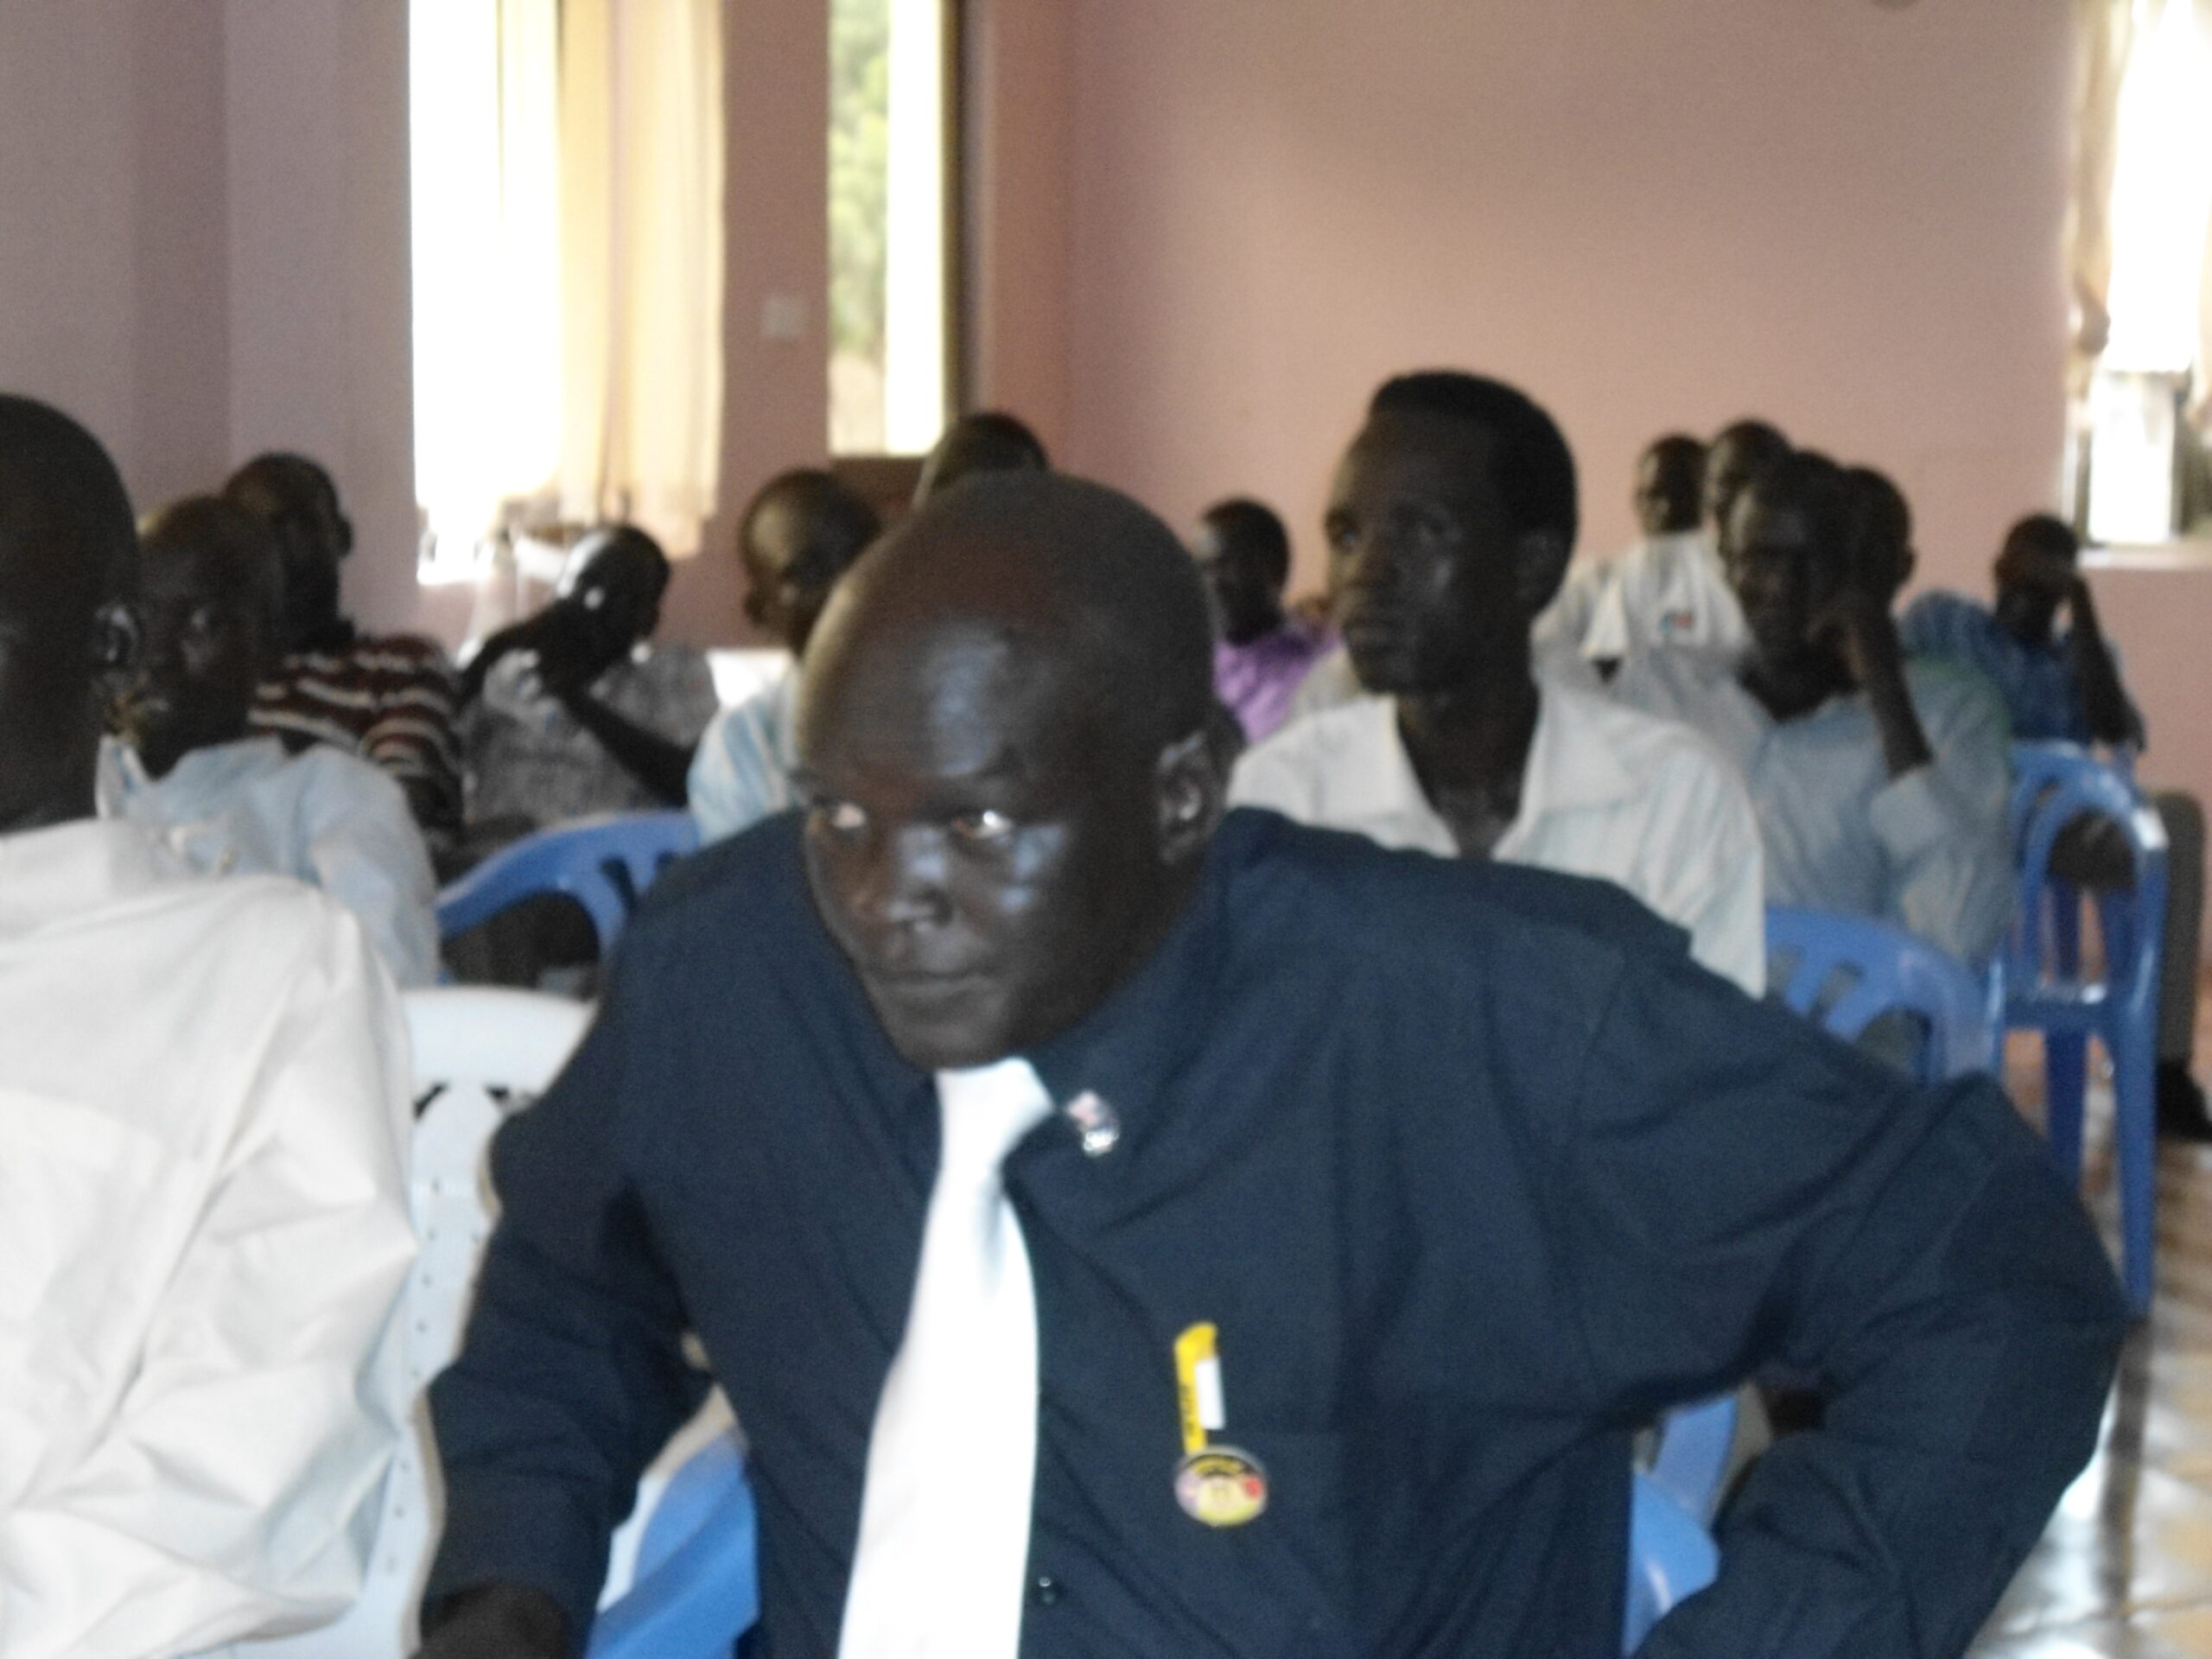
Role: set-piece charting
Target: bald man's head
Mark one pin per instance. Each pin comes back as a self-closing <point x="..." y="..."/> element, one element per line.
<point x="1097" y="582"/>
<point x="63" y="512"/>
<point x="1002" y="725"/>
<point x="69" y="572"/>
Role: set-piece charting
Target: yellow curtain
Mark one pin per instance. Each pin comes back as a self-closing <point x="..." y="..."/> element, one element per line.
<point x="2105" y="29"/>
<point x="641" y="264"/>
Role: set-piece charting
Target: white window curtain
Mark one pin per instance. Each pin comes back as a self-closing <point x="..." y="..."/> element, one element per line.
<point x="567" y="224"/>
<point x="641" y="357"/>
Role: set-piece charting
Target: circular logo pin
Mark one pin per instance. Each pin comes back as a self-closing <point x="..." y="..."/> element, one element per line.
<point x="1221" y="1486"/>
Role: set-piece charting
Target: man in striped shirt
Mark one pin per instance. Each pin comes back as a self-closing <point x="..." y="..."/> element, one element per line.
<point x="390" y="698"/>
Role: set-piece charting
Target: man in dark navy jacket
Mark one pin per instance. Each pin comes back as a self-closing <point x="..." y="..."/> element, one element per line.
<point x="1462" y="1172"/>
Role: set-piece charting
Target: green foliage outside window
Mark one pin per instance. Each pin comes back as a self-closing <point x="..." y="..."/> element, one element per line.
<point x="860" y="87"/>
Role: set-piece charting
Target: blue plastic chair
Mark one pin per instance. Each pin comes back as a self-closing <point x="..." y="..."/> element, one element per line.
<point x="1671" y="1556"/>
<point x="2055" y="783"/>
<point x="604" y="863"/>
<point x="1694" y="1445"/>
<point x="1881" y="968"/>
<point x="697" y="1588"/>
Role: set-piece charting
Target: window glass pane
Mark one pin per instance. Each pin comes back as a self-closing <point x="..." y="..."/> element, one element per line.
<point x="484" y="185"/>
<point x="2162" y="188"/>
<point x="886" y="225"/>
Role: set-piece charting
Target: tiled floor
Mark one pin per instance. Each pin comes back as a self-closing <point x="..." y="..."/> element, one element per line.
<point x="2125" y="1570"/>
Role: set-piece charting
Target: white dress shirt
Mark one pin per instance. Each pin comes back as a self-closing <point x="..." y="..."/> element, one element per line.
<point x="322" y="817"/>
<point x="1331" y="682"/>
<point x="203" y="1228"/>
<point x="1930" y="851"/>
<point x="741" y="771"/>
<point x="1608" y="792"/>
<point x="1667" y="591"/>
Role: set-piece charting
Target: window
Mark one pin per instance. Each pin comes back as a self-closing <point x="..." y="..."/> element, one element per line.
<point x="567" y="203"/>
<point x="893" y="201"/>
<point x="2141" y="452"/>
<point x="483" y="111"/>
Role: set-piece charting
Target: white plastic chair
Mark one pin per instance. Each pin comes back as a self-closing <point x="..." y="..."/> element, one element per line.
<point x="480" y="1055"/>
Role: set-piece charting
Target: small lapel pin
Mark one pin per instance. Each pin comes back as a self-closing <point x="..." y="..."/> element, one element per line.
<point x="1094" y="1121"/>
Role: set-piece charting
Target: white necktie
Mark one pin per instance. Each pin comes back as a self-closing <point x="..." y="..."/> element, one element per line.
<point x="944" y="1516"/>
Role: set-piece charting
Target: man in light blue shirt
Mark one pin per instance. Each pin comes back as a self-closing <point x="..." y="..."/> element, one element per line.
<point x="2062" y="686"/>
<point x="800" y="535"/>
<point x="1881" y="785"/>
<point x="231" y="804"/>
<point x="2066" y="687"/>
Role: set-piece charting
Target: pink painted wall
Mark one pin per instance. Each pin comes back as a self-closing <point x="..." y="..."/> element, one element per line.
<point x="2162" y="619"/>
<point x="776" y="392"/>
<point x="1020" y="158"/>
<point x="315" y="123"/>
<point x="1841" y="216"/>
<point x="204" y="253"/>
<point x="203" y="244"/>
<point x="113" y="240"/>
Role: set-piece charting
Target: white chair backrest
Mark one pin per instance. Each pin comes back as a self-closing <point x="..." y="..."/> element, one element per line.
<point x="480" y="1054"/>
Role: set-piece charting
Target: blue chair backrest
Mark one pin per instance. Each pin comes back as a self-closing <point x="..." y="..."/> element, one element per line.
<point x="1694" y="1445"/>
<point x="1847" y="970"/>
<point x="1671" y="1556"/>
<point x="2053" y="784"/>
<point x="697" y="1588"/>
<point x="604" y="863"/>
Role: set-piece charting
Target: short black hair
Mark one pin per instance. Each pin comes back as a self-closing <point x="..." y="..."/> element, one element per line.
<point x="1677" y="448"/>
<point x="1883" y="511"/>
<point x="293" y="479"/>
<point x="632" y="540"/>
<point x="241" y="543"/>
<point x="1807" y="481"/>
<point x="1881" y="526"/>
<point x="62" y="499"/>
<point x="1255" y="527"/>
<point x="1532" y="466"/>
<point x="840" y="520"/>
<point x="989" y="441"/>
<point x="2047" y="533"/>
<point x="1763" y="438"/>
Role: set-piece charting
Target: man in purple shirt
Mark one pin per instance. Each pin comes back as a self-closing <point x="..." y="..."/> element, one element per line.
<point x="1260" y="655"/>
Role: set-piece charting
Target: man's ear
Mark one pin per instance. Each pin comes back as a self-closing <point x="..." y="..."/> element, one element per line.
<point x="1190" y="788"/>
<point x="1540" y="568"/>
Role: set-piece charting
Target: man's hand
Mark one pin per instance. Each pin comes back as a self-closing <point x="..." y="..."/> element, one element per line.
<point x="569" y="660"/>
<point x="496" y="1621"/>
<point x="1859" y="625"/>
<point x="1862" y="632"/>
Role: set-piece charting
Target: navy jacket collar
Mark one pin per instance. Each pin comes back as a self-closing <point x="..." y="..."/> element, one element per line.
<point x="1125" y="1051"/>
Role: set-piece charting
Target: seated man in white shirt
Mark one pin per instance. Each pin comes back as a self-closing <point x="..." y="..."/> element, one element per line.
<point x="1670" y="589"/>
<point x="203" y="1123"/>
<point x="1448" y="527"/>
<point x="801" y="532"/>
<point x="230" y="802"/>
<point x="1881" y="785"/>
